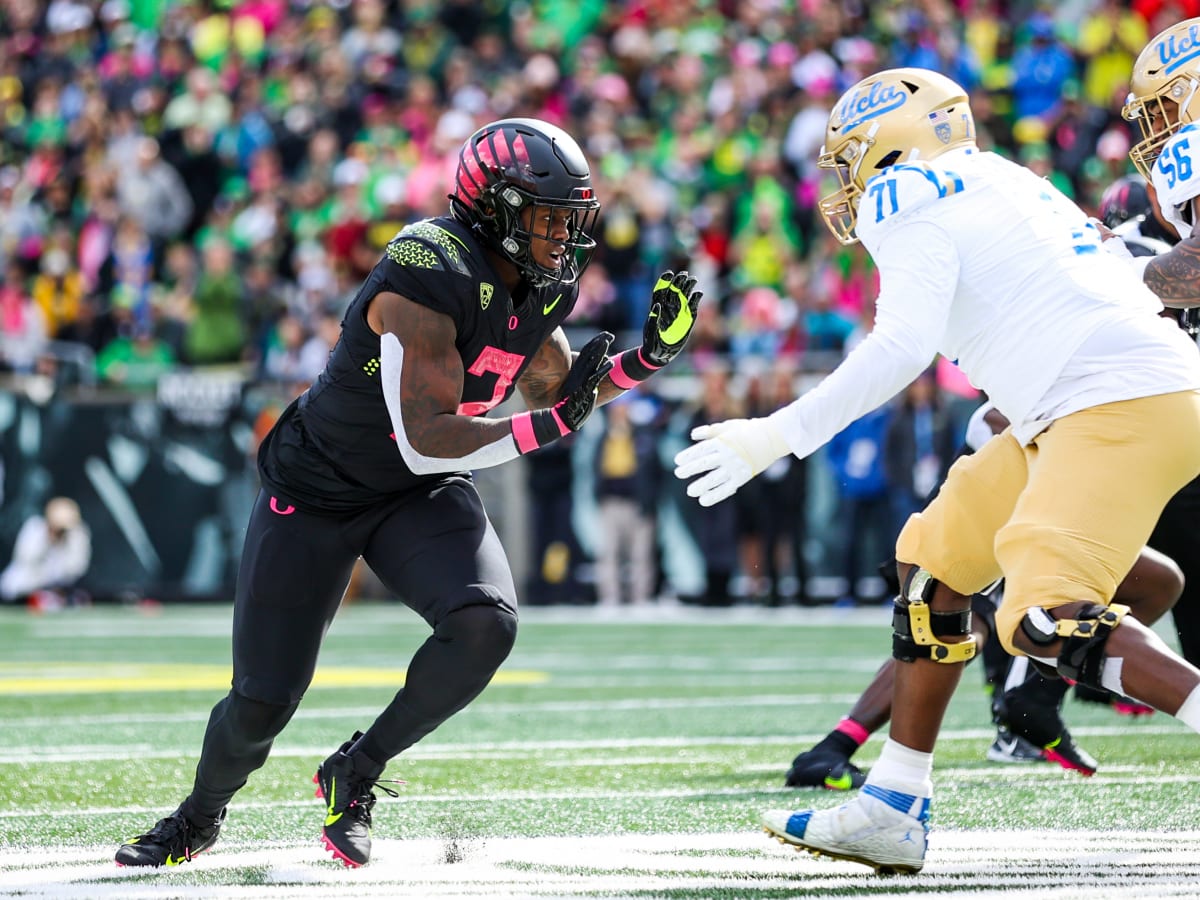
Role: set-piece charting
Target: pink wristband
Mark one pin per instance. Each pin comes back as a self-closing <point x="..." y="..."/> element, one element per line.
<point x="537" y="428"/>
<point x="522" y="429"/>
<point x="853" y="730"/>
<point x="625" y="379"/>
<point x="563" y="430"/>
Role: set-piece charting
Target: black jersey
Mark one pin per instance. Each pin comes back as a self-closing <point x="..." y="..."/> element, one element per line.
<point x="333" y="448"/>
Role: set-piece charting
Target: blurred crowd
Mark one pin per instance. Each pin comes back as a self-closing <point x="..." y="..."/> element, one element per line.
<point x="199" y="182"/>
<point x="193" y="183"/>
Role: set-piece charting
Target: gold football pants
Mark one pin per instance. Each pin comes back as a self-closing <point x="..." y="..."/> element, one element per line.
<point x="1064" y="518"/>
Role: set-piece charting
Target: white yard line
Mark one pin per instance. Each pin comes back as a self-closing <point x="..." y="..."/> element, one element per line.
<point x="412" y="794"/>
<point x="1024" y="865"/>
<point x="522" y="749"/>
<point x="481" y="708"/>
<point x="214" y="621"/>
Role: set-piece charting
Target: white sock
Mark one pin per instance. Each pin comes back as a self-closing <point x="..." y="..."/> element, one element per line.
<point x="1189" y="713"/>
<point x="901" y="768"/>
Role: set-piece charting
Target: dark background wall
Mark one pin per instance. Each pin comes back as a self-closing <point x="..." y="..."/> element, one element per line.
<point x="164" y="482"/>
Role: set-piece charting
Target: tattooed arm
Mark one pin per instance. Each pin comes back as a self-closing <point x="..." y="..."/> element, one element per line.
<point x="422" y="382"/>
<point x="431" y="383"/>
<point x="1175" y="275"/>
<point x="543" y="381"/>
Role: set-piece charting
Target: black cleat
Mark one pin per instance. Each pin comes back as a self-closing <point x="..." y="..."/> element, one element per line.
<point x="171" y="842"/>
<point x="826" y="769"/>
<point x="1121" y="705"/>
<point x="1031" y="716"/>
<point x="345" y="783"/>
<point x="1064" y="751"/>
<point x="1008" y="748"/>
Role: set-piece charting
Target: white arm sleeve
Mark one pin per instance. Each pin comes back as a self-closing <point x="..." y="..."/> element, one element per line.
<point x="391" y="364"/>
<point x="919" y="272"/>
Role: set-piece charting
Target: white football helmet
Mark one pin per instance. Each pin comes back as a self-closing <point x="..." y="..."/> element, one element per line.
<point x="1163" y="90"/>
<point x="897" y="115"/>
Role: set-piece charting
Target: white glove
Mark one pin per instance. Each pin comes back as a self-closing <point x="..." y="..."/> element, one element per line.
<point x="730" y="453"/>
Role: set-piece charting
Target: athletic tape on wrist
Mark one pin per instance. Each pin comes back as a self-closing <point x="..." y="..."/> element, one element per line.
<point x="630" y="369"/>
<point x="537" y="428"/>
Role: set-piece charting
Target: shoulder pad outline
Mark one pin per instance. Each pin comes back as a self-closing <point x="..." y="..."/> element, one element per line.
<point x="425" y="245"/>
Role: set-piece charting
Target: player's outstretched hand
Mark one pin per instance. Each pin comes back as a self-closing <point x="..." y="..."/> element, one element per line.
<point x="672" y="315"/>
<point x="728" y="455"/>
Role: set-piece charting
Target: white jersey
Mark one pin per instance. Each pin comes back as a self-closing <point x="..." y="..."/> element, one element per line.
<point x="1176" y="176"/>
<point x="991" y="266"/>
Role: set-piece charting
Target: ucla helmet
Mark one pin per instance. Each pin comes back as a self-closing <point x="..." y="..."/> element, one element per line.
<point x="897" y="115"/>
<point x="1164" y="90"/>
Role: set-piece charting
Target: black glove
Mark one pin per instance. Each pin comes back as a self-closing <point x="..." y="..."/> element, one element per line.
<point x="579" y="388"/>
<point x="672" y="315"/>
<point x="539" y="427"/>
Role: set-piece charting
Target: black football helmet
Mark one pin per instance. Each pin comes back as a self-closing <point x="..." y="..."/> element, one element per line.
<point x="1125" y="199"/>
<point x="512" y="164"/>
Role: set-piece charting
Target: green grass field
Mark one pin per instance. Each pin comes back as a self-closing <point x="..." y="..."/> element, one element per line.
<point x="621" y="755"/>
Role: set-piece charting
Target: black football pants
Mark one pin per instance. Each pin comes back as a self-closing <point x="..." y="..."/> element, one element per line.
<point x="435" y="549"/>
<point x="1177" y="534"/>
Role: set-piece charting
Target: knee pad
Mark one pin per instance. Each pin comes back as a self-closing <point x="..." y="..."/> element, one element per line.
<point x="257" y="721"/>
<point x="1083" y="638"/>
<point x="917" y="630"/>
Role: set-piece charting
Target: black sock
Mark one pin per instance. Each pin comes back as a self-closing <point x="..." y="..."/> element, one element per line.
<point x="368" y="747"/>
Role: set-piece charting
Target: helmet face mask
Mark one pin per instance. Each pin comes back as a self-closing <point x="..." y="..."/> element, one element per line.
<point x="893" y="116"/>
<point x="840" y="208"/>
<point x="523" y="181"/>
<point x="1164" y="90"/>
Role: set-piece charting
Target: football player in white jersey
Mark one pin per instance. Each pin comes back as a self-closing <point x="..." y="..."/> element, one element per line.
<point x="982" y="261"/>
<point x="1164" y="102"/>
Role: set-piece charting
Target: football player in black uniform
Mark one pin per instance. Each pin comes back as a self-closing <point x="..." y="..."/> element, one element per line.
<point x="374" y="460"/>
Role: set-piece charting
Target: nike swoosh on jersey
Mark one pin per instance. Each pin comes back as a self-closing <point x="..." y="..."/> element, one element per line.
<point x="548" y="308"/>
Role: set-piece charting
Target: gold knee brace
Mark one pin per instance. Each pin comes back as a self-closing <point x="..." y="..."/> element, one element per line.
<point x="1082" y="655"/>
<point x="917" y="630"/>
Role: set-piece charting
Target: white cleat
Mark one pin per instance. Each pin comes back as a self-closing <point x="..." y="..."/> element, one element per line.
<point x="877" y="828"/>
